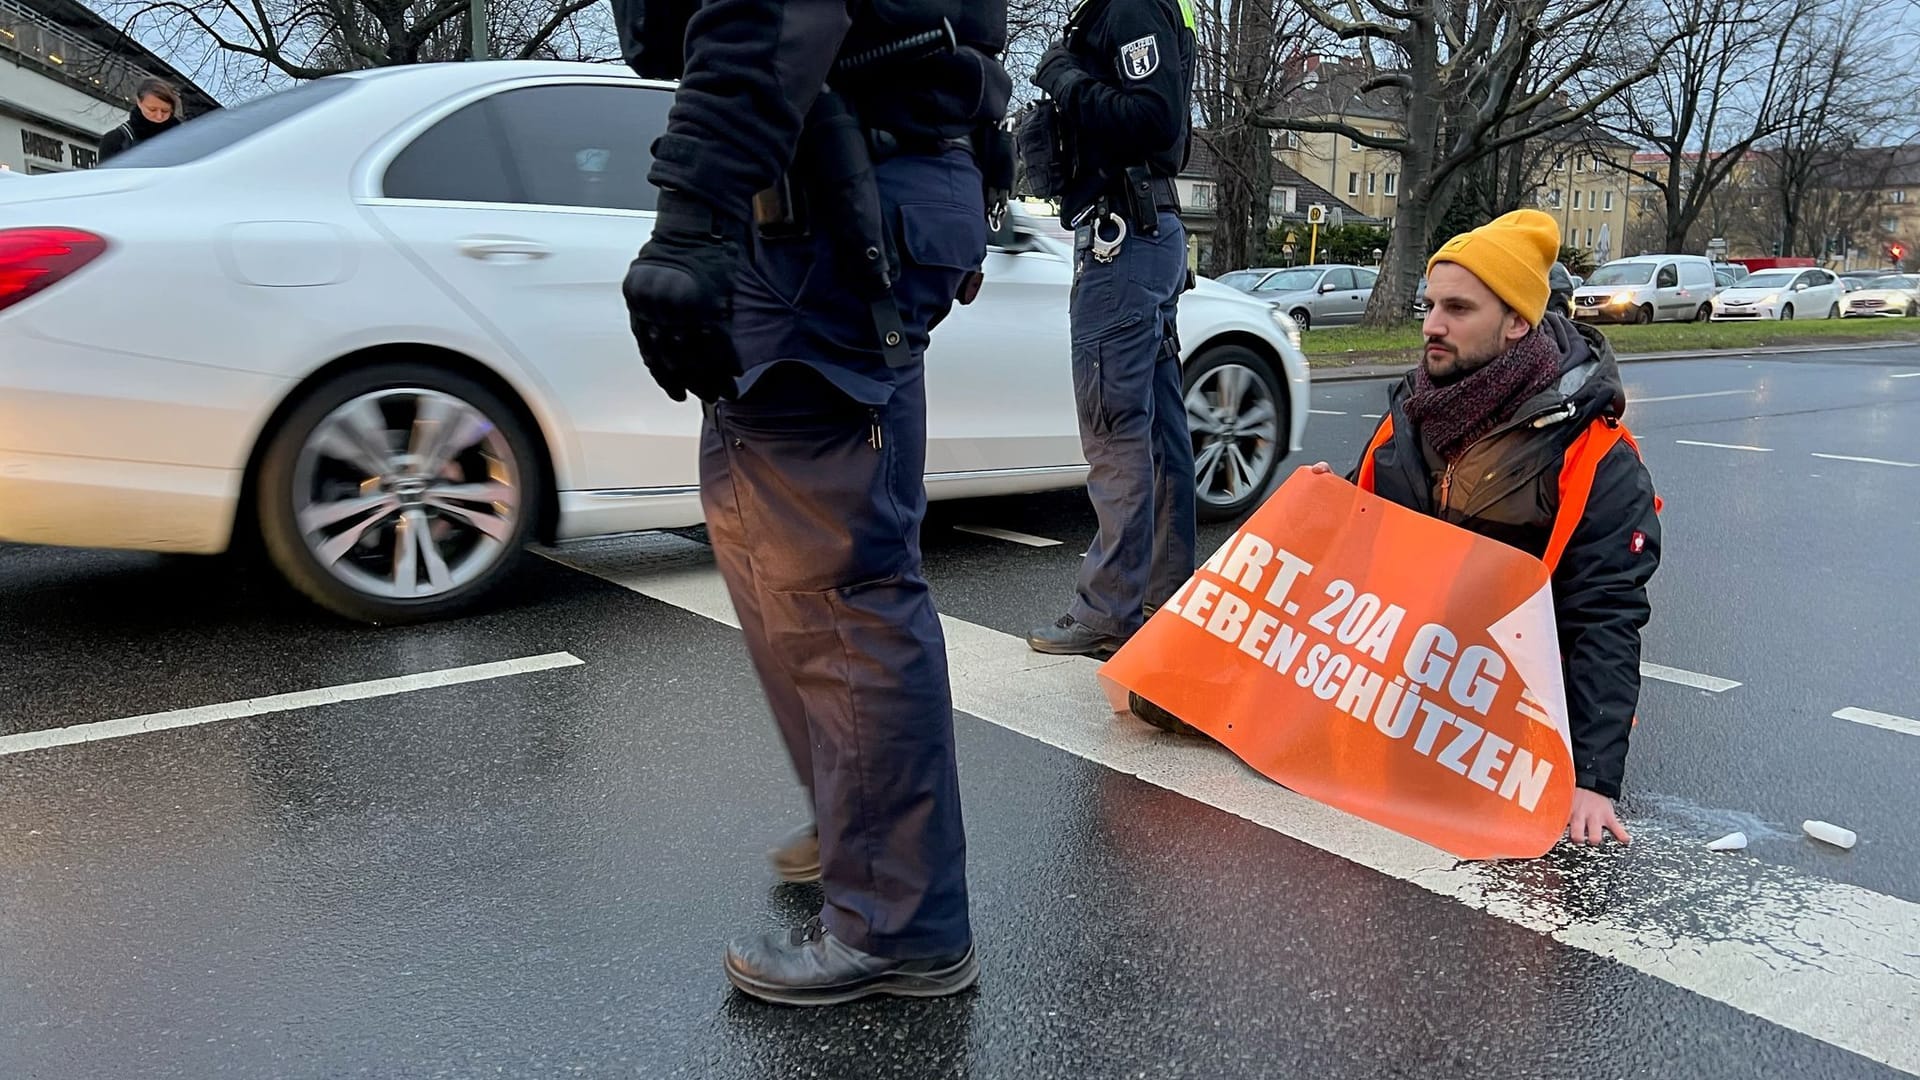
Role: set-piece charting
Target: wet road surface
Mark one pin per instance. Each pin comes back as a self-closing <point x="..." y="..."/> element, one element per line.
<point x="533" y="873"/>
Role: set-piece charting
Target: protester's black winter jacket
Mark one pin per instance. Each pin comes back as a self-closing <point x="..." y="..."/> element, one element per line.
<point x="1506" y="487"/>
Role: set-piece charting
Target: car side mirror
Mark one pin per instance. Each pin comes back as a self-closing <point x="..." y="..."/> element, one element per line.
<point x="1799" y="286"/>
<point x="1327" y="287"/>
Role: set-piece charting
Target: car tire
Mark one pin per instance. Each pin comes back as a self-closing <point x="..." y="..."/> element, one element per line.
<point x="457" y="516"/>
<point x="1643" y="315"/>
<point x="1833" y="312"/>
<point x="1786" y="313"/>
<point x="1301" y="318"/>
<point x="1236" y="459"/>
<point x="1705" y="313"/>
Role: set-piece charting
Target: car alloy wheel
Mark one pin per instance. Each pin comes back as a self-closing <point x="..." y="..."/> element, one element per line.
<point x="1234" y="409"/>
<point x="392" y="497"/>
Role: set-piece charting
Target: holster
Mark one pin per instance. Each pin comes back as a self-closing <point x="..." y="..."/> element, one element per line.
<point x="1136" y="201"/>
<point x="831" y="186"/>
<point x="1043" y="152"/>
<point x="993" y="153"/>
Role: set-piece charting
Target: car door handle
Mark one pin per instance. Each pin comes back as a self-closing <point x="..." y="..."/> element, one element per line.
<point x="494" y="247"/>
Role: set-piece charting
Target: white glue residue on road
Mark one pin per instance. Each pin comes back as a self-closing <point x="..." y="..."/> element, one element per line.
<point x="1880" y="720"/>
<point x="1832" y="961"/>
<point x="233" y="710"/>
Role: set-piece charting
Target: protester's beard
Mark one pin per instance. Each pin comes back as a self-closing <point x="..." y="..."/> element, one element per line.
<point x="1454" y="362"/>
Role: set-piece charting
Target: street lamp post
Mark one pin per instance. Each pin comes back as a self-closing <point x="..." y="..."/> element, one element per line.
<point x="477" y="20"/>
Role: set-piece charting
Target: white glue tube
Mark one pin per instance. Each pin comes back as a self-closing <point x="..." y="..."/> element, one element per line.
<point x="1829" y="833"/>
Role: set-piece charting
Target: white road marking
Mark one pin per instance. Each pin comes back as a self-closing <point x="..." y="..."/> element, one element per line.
<point x="1870" y="460"/>
<point x="233" y="710"/>
<point x="1880" y="720"/>
<point x="1685" y="397"/>
<point x="1325" y="412"/>
<point x="1906" y="375"/>
<point x="1711" y="683"/>
<point x="1007" y="534"/>
<point x="1832" y="961"/>
<point x="1371" y="415"/>
<point x="1725" y="446"/>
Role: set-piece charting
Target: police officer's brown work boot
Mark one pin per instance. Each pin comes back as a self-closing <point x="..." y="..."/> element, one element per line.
<point x="797" y="858"/>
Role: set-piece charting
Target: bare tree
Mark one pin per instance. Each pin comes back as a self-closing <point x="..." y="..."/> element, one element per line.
<point x="1471" y="77"/>
<point x="268" y="42"/>
<point x="1721" y="90"/>
<point x="1245" y="70"/>
<point x="1825" y="179"/>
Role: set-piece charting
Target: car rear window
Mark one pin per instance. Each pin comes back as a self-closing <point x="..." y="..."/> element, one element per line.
<point x="202" y="136"/>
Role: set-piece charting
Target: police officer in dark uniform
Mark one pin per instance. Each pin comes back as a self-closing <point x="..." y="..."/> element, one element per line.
<point x="1120" y="86"/>
<point x="821" y="207"/>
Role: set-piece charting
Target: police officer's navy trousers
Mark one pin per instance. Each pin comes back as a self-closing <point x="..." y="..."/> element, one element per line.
<point x="1133" y="425"/>
<point x="813" y="486"/>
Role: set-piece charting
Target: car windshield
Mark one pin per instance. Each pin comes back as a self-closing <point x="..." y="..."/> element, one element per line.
<point x="1291" y="281"/>
<point x="1893" y="281"/>
<point x="1770" y="279"/>
<point x="1623" y="274"/>
<point x="222" y="128"/>
<point x="1240" y="279"/>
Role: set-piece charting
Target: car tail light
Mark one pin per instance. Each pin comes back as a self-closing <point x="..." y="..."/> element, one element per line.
<point x="32" y="259"/>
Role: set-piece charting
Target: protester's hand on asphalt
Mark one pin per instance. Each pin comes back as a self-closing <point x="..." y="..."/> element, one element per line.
<point x="1592" y="818"/>
<point x="1321" y="468"/>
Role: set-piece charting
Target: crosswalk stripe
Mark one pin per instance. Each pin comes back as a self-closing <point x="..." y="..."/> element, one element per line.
<point x="1832" y="961"/>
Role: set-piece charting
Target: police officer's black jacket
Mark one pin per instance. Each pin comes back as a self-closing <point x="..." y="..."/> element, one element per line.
<point x="1506" y="486"/>
<point x="753" y="68"/>
<point x="1137" y="107"/>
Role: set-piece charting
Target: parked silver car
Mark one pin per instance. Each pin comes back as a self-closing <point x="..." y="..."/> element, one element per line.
<point x="1320" y="295"/>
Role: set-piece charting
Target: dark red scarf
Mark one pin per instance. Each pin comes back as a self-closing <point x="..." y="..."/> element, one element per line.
<point x="1451" y="416"/>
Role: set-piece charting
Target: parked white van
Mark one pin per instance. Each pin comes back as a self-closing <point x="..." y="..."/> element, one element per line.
<point x="1649" y="288"/>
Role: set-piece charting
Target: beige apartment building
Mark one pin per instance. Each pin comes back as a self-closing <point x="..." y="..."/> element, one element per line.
<point x="1576" y="178"/>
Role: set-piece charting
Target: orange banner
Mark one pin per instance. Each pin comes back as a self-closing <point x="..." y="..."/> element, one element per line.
<point x="1378" y="660"/>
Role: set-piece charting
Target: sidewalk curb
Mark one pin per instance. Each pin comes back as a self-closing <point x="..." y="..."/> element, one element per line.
<point x="1365" y="372"/>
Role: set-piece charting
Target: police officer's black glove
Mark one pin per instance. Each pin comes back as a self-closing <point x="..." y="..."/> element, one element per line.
<point x="680" y="298"/>
<point x="1059" y="69"/>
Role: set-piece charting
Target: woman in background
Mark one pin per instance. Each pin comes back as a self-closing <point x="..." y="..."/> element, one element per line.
<point x="156" y="109"/>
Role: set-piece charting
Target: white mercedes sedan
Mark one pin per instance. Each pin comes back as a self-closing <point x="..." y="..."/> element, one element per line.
<point x="375" y="322"/>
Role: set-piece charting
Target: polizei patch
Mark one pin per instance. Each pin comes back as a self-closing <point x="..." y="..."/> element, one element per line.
<point x="1140" y="59"/>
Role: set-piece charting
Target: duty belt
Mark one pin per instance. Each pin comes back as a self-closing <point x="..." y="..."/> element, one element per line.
<point x="886" y="144"/>
<point x="1165" y="196"/>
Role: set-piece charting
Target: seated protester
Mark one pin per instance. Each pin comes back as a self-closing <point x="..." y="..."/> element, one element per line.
<point x="1486" y="434"/>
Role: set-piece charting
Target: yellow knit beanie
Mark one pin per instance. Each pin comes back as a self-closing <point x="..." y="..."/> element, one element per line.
<point x="1510" y="254"/>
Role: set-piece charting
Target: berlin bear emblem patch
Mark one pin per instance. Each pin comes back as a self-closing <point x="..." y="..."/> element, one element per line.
<point x="1139" y="59"/>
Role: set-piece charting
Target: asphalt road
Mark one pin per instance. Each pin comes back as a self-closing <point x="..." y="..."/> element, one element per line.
<point x="531" y="869"/>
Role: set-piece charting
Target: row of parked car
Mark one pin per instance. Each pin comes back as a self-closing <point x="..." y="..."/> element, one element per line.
<point x="1640" y="289"/>
<point x="1682" y="288"/>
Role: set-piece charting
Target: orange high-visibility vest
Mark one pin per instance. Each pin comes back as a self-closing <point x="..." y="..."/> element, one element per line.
<point x="1576" y="477"/>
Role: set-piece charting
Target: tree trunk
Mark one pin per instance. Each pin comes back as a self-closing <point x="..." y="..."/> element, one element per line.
<point x="1391" y="303"/>
<point x="1233" y="204"/>
<point x="1679" y="221"/>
